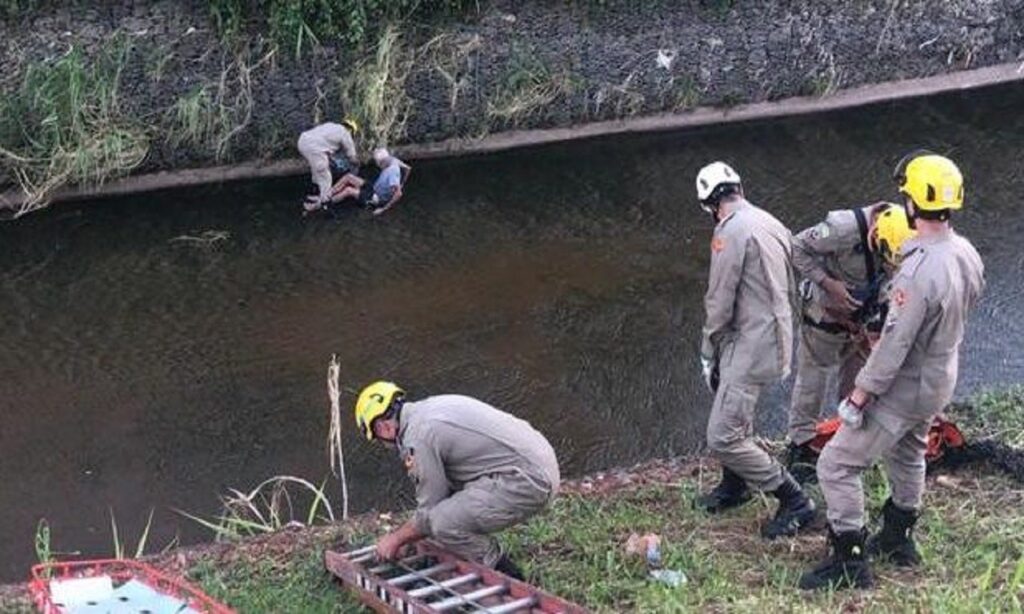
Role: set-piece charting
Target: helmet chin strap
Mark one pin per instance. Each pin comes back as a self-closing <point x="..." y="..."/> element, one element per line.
<point x="711" y="210"/>
<point x="911" y="215"/>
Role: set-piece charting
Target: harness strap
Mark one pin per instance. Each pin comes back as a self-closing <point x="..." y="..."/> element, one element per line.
<point x="869" y="259"/>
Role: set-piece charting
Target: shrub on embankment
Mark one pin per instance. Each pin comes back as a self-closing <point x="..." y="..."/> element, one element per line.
<point x="236" y="80"/>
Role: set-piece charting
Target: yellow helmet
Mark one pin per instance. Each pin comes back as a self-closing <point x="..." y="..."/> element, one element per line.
<point x="351" y="124"/>
<point x="891" y="229"/>
<point x="374" y="401"/>
<point x="932" y="181"/>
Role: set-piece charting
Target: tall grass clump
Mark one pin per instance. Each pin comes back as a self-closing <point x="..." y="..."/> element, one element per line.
<point x="65" y="125"/>
<point x="527" y="88"/>
<point x="266" y="508"/>
<point x="373" y="92"/>
<point x="300" y="25"/>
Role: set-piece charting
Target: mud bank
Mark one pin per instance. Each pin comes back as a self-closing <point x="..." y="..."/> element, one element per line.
<point x="508" y="66"/>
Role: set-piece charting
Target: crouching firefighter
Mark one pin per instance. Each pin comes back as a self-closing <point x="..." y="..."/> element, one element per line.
<point x="908" y="379"/>
<point x="845" y="261"/>
<point x="476" y="469"/>
<point x="746" y="346"/>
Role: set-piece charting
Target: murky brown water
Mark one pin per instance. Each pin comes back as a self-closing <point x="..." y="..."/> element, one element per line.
<point x="562" y="283"/>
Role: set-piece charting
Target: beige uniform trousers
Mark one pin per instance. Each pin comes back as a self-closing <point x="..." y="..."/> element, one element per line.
<point x="319" y="165"/>
<point x="817" y="357"/>
<point x="730" y="435"/>
<point x="464" y="522"/>
<point x="900" y="441"/>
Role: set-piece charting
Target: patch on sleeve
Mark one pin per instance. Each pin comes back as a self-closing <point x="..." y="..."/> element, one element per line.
<point x="717" y="244"/>
<point x="899" y="297"/>
<point x="821" y="231"/>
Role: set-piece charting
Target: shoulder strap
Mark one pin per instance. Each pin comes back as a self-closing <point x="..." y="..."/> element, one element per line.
<point x="869" y="258"/>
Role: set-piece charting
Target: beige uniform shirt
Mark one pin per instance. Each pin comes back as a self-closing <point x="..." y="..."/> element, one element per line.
<point x="833" y="249"/>
<point x="450" y="440"/>
<point x="328" y="138"/>
<point x="913" y="369"/>
<point x="750" y="300"/>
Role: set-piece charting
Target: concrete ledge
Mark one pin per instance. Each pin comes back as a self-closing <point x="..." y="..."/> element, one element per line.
<point x="701" y="116"/>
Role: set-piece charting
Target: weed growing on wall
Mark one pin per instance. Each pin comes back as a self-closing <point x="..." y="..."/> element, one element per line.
<point x="527" y="88"/>
<point x="210" y="115"/>
<point x="65" y="125"/>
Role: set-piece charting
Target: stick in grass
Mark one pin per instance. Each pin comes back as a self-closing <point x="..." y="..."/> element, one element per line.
<point x="334" y="447"/>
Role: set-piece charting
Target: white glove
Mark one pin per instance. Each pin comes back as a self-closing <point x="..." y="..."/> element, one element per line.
<point x="707" y="369"/>
<point x="851" y="415"/>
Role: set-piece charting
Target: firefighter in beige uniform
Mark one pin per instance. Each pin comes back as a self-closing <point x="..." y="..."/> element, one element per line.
<point x="747" y="345"/>
<point x="318" y="144"/>
<point x="845" y="262"/>
<point x="477" y="470"/>
<point x="908" y="379"/>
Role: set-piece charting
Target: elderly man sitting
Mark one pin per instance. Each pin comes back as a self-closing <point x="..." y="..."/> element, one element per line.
<point x="384" y="192"/>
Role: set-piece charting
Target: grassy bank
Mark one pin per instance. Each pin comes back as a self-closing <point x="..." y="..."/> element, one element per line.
<point x="971" y="536"/>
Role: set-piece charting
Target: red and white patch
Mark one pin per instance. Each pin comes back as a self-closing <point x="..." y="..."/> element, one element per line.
<point x="717" y="244"/>
<point x="899" y="297"/>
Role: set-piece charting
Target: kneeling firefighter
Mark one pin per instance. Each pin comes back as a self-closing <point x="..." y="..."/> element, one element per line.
<point x="747" y="345"/>
<point x="845" y="262"/>
<point x="908" y="379"/>
<point x="477" y="470"/>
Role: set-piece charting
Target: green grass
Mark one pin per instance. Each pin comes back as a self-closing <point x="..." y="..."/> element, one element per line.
<point x="995" y="413"/>
<point x="299" y="26"/>
<point x="972" y="543"/>
<point x="972" y="540"/>
<point x="65" y="125"/>
<point x="299" y="585"/>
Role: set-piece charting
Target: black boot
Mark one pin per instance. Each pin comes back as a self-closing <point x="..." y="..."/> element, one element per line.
<point x="845" y="567"/>
<point x="894" y="541"/>
<point x="731" y="492"/>
<point x="506" y="566"/>
<point x="796" y="510"/>
<point x="802" y="463"/>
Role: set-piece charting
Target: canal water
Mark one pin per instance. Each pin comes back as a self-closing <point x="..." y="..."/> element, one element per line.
<point x="141" y="369"/>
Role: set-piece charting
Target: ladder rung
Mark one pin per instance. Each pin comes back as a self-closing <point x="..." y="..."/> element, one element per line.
<point x="422" y="574"/>
<point x="353" y="553"/>
<point x="362" y="558"/>
<point x="440" y="586"/>
<point x="507" y="608"/>
<point x="389" y="566"/>
<point x="456" y="601"/>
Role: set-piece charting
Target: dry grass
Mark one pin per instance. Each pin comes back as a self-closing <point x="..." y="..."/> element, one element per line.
<point x="373" y="92"/>
<point x="450" y="56"/>
<point x="212" y="115"/>
<point x="527" y="88"/>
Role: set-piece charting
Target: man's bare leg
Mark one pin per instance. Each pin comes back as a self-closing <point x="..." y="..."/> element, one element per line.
<point x="347" y="180"/>
<point x="347" y="192"/>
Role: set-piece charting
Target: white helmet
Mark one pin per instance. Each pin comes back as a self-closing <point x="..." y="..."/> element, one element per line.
<point x="712" y="176"/>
